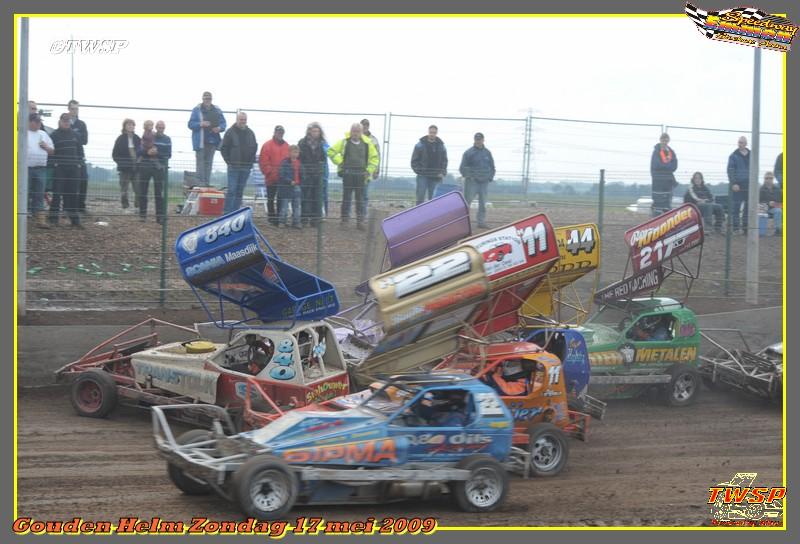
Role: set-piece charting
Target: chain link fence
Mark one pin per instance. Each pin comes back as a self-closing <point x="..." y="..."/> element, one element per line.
<point x="122" y="262"/>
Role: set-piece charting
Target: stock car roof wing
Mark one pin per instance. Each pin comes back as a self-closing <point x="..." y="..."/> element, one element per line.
<point x="475" y="288"/>
<point x="659" y="249"/>
<point x="229" y="259"/>
<point x="423" y="230"/>
<point x="578" y="255"/>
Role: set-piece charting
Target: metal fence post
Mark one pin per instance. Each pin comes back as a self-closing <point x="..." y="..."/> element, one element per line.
<point x="728" y="235"/>
<point x="162" y="292"/>
<point x="601" y="200"/>
<point x="386" y="143"/>
<point x="22" y="170"/>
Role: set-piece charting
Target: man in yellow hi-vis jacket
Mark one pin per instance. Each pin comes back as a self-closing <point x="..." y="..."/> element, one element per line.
<point x="356" y="160"/>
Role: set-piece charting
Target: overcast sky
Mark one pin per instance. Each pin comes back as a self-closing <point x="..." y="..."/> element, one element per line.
<point x="648" y="70"/>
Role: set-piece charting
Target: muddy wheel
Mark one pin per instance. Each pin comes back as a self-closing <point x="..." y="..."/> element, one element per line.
<point x="486" y="488"/>
<point x="183" y="481"/>
<point x="684" y="387"/>
<point x="94" y="393"/>
<point x="549" y="449"/>
<point x="265" y="487"/>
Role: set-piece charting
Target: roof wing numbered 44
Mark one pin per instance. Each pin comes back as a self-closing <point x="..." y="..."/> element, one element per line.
<point x="230" y="260"/>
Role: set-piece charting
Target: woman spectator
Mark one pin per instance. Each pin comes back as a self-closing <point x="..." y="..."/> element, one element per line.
<point x="126" y="154"/>
<point x="314" y="159"/>
<point x="700" y="195"/>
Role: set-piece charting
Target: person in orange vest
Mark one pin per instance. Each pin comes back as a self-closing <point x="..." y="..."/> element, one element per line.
<point x="507" y="383"/>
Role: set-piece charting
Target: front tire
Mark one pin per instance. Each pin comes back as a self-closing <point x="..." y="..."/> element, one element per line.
<point x="486" y="488"/>
<point x="265" y="487"/>
<point x="549" y="449"/>
<point x="684" y="387"/>
<point x="183" y="481"/>
<point x="93" y="393"/>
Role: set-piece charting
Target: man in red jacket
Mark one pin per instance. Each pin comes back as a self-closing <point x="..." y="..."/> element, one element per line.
<point x="273" y="152"/>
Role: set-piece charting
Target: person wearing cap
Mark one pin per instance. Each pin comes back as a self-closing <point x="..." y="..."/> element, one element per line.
<point x="477" y="168"/>
<point x="273" y="153"/>
<point x="429" y="163"/>
<point x="374" y="140"/>
<point x="206" y="123"/>
<point x="357" y="160"/>
<point x="40" y="147"/>
<point x="66" y="182"/>
<point x="239" y="148"/>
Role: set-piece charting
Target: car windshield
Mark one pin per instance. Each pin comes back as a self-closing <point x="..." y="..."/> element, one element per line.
<point x="389" y="398"/>
<point x="615" y="317"/>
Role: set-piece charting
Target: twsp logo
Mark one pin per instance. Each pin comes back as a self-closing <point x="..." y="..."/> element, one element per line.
<point x="746" y="26"/>
<point x="739" y="503"/>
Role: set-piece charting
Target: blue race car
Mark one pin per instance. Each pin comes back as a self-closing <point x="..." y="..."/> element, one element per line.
<point x="411" y="435"/>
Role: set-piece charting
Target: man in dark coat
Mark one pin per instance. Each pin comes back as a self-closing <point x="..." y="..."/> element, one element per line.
<point x="239" y="148"/>
<point x="82" y="137"/>
<point x="429" y="162"/>
<point x="739" y="179"/>
<point x="477" y="167"/>
<point x="663" y="164"/>
<point x="66" y="181"/>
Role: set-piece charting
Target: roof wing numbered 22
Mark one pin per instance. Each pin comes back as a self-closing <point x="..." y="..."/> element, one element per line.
<point x="229" y="259"/>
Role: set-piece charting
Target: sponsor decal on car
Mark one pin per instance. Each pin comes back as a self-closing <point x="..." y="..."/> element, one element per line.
<point x="368" y="451"/>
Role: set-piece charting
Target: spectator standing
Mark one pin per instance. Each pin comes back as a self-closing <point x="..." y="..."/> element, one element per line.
<point x="779" y="170"/>
<point x="700" y="195"/>
<point x="314" y="158"/>
<point x="163" y="145"/>
<point x="149" y="167"/>
<point x="771" y="195"/>
<point x="206" y="123"/>
<point x="82" y="136"/>
<point x="663" y="164"/>
<point x="374" y="140"/>
<point x="126" y="156"/>
<point x="40" y="148"/>
<point x="356" y="159"/>
<point x="739" y="179"/>
<point x="66" y="182"/>
<point x="270" y="160"/>
<point x="429" y="162"/>
<point x="289" y="188"/>
<point x="239" y="148"/>
<point x="477" y="167"/>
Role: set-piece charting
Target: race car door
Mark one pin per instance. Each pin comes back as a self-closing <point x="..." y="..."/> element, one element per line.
<point x="442" y="425"/>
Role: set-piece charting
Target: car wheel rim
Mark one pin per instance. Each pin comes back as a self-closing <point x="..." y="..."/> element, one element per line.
<point x="89" y="396"/>
<point x="484" y="488"/>
<point x="269" y="491"/>
<point x="546" y="453"/>
<point x="684" y="387"/>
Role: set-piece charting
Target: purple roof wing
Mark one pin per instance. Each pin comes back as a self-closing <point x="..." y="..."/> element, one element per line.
<point x="427" y="228"/>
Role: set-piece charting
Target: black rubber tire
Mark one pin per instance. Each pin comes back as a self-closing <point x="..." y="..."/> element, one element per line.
<point x="558" y="440"/>
<point x="93" y="393"/>
<point x="683" y="377"/>
<point x="480" y="464"/>
<point x="182" y="481"/>
<point x="246" y="476"/>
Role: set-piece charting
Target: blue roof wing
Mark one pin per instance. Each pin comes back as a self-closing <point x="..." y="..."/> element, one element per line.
<point x="231" y="260"/>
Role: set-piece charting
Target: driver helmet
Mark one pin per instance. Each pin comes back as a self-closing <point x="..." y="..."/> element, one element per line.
<point x="425" y="407"/>
<point x="650" y="323"/>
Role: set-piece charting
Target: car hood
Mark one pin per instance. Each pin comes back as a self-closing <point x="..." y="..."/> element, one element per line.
<point x="300" y="427"/>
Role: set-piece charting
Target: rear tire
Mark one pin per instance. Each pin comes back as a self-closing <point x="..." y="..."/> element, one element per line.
<point x="684" y="387"/>
<point x="549" y="449"/>
<point x="93" y="393"/>
<point x="184" y="482"/>
<point x="486" y="488"/>
<point x="265" y="487"/>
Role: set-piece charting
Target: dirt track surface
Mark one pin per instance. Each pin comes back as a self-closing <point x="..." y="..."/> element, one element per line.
<point x="645" y="464"/>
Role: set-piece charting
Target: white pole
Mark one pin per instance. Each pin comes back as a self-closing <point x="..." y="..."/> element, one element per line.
<point x="751" y="290"/>
<point x="22" y="167"/>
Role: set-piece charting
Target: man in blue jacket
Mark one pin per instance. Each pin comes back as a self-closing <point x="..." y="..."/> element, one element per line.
<point x="739" y="179"/>
<point x="477" y="167"/>
<point x="206" y="122"/>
